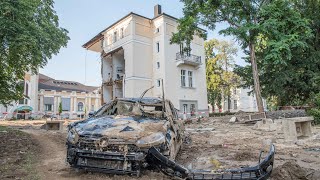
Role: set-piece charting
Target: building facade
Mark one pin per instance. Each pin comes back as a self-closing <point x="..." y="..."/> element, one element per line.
<point x="76" y="100"/>
<point x="136" y="54"/>
<point x="239" y="100"/>
<point x="45" y="95"/>
<point x="23" y="108"/>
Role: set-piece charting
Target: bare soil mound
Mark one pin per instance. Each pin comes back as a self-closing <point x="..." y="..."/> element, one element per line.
<point x="17" y="154"/>
<point x="289" y="171"/>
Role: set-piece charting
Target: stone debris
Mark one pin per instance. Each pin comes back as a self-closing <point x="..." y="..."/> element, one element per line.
<point x="233" y="119"/>
<point x="200" y="129"/>
<point x="265" y="125"/>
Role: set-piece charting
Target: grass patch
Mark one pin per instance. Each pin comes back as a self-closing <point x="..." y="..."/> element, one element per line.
<point x="29" y="166"/>
<point x="3" y="128"/>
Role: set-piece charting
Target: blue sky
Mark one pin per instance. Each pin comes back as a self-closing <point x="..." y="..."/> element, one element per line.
<point x="85" y="18"/>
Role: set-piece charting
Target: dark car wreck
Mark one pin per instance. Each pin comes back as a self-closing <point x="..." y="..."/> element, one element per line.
<point x="128" y="135"/>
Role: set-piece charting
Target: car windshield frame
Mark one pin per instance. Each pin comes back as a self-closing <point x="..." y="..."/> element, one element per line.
<point x="137" y="109"/>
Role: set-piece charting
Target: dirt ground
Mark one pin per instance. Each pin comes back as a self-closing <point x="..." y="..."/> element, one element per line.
<point x="215" y="144"/>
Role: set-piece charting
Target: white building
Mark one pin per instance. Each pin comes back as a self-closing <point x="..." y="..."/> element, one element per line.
<point x="23" y="107"/>
<point x="44" y="95"/>
<point x="76" y="99"/>
<point x="136" y="54"/>
<point x="240" y="100"/>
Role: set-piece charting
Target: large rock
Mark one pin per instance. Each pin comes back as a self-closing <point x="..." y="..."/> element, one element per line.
<point x="233" y="120"/>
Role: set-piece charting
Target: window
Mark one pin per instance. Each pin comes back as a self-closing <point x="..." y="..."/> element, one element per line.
<point x="192" y="109"/>
<point x="235" y="104"/>
<point x="158" y="83"/>
<point x="48" y="107"/>
<point x="65" y="102"/>
<point x="80" y="106"/>
<point x="183" y="78"/>
<point x="158" y="47"/>
<point x="92" y="107"/>
<point x="157" y="30"/>
<point x="26" y="89"/>
<point x="121" y="33"/>
<point x="185" y="107"/>
<point x="235" y="91"/>
<point x="158" y="65"/>
<point x="21" y="101"/>
<point x="114" y="36"/>
<point x="190" y="79"/>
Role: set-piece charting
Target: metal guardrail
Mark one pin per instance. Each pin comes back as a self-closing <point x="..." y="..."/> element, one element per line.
<point x="190" y="57"/>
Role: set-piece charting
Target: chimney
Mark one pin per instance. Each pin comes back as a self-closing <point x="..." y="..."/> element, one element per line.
<point x="157" y="10"/>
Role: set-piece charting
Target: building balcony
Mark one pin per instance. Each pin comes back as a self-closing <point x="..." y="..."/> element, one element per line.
<point x="119" y="79"/>
<point x="108" y="82"/>
<point x="190" y="59"/>
<point x="111" y="82"/>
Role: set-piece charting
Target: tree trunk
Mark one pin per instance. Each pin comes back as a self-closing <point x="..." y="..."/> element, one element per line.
<point x="255" y="77"/>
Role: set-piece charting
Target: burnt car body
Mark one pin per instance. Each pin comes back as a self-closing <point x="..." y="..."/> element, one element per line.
<point x="117" y="138"/>
<point x="129" y="134"/>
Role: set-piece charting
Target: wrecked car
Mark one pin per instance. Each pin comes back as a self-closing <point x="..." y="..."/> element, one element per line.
<point x="130" y="134"/>
<point x="118" y="137"/>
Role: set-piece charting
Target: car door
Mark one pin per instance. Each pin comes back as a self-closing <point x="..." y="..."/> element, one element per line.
<point x="176" y="126"/>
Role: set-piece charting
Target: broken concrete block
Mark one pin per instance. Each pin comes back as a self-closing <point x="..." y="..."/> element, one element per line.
<point x="54" y="125"/>
<point x="265" y="125"/>
<point x="233" y="120"/>
<point x="293" y="128"/>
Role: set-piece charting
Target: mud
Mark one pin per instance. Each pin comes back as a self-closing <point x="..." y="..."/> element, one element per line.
<point x="17" y="154"/>
<point x="224" y="146"/>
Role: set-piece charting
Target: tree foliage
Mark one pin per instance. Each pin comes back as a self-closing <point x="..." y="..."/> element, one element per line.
<point x="219" y="63"/>
<point x="288" y="52"/>
<point x="244" y="18"/>
<point x="29" y="35"/>
<point x="60" y="108"/>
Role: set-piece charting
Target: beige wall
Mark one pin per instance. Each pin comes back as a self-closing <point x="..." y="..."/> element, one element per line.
<point x="88" y="99"/>
<point x="140" y="57"/>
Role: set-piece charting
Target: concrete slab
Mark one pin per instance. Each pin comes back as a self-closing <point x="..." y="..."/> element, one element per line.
<point x="265" y="125"/>
<point x="298" y="127"/>
<point x="54" y="125"/>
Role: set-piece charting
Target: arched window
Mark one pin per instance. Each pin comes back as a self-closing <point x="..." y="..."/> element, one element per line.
<point x="80" y="106"/>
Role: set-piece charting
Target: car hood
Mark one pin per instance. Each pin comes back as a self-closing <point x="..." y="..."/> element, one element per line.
<point x="127" y="128"/>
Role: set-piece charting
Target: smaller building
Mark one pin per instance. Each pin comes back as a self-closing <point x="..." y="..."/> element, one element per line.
<point x="76" y="99"/>
<point x="239" y="100"/>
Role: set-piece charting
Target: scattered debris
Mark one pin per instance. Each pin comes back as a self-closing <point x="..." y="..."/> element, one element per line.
<point x="315" y="149"/>
<point x="265" y="125"/>
<point x="233" y="119"/>
<point x="200" y="129"/>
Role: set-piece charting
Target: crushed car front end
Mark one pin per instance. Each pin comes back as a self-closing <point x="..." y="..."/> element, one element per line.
<point x="115" y="158"/>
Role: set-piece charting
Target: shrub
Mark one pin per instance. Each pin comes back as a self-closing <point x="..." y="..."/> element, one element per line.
<point x="315" y="111"/>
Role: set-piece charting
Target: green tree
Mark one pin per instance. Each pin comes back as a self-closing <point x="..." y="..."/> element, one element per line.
<point x="219" y="63"/>
<point x="247" y="20"/>
<point x="29" y="35"/>
<point x="60" y="108"/>
<point x="288" y="53"/>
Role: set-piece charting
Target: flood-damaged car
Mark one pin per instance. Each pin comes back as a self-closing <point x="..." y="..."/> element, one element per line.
<point x="130" y="134"/>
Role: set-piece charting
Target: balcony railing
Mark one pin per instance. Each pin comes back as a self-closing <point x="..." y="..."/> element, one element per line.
<point x="190" y="59"/>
